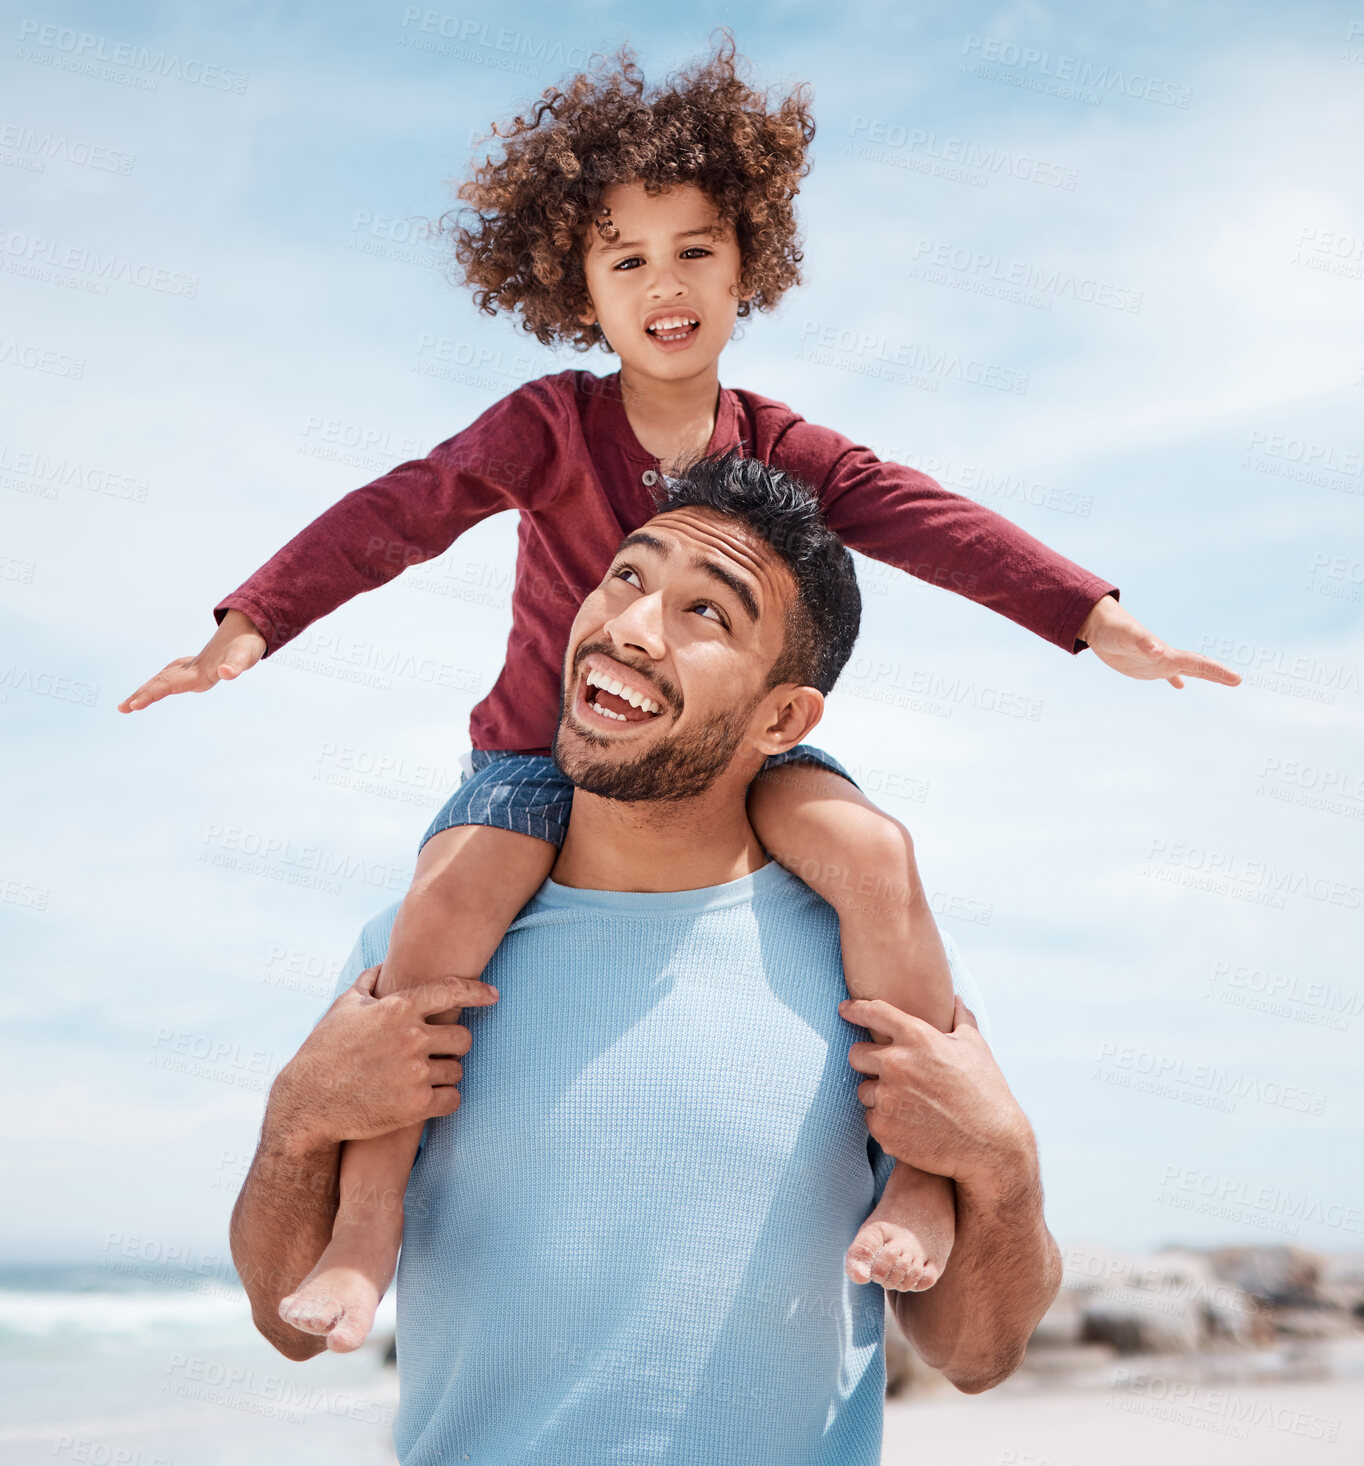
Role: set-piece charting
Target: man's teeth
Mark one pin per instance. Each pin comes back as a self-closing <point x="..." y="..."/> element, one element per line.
<point x="635" y="699"/>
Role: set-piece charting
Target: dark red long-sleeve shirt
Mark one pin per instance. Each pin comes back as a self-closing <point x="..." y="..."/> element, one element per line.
<point x="561" y="450"/>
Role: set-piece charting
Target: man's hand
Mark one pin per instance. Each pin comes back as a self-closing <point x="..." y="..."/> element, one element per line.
<point x="936" y="1100"/>
<point x="372" y="1065"/>
<point x="939" y="1102"/>
<point x="234" y="648"/>
<point x="1116" y="637"/>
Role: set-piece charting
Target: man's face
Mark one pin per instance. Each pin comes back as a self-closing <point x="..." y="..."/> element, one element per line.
<point x="671" y="259"/>
<point x="687" y="624"/>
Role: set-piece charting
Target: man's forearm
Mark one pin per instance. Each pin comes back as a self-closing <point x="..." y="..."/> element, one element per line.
<point x="280" y="1226"/>
<point x="1002" y="1274"/>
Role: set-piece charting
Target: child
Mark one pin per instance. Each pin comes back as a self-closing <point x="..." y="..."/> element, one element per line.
<point x="647" y="226"/>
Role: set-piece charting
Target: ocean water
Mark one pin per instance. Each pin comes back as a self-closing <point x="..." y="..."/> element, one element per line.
<point x="169" y="1371"/>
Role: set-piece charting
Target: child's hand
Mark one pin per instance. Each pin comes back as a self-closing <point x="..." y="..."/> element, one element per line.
<point x="234" y="647"/>
<point x="1116" y="637"/>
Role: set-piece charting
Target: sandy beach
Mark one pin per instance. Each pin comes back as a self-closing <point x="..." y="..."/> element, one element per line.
<point x="1074" y="1428"/>
<point x="1172" y="1418"/>
<point x="143" y="1375"/>
<point x="340" y="1417"/>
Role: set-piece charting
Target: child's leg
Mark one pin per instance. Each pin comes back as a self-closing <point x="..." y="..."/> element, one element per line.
<point x="861" y="861"/>
<point x="470" y="882"/>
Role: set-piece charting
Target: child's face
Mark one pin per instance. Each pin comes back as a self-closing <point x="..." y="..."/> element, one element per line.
<point x="666" y="261"/>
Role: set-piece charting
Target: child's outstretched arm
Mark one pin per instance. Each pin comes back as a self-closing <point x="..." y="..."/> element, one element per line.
<point x="505" y="458"/>
<point x="825" y="831"/>
<point x="902" y="517"/>
<point x="1118" y="639"/>
<point x="234" y="648"/>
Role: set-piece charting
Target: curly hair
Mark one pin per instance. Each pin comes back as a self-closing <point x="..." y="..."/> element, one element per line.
<point x="522" y="249"/>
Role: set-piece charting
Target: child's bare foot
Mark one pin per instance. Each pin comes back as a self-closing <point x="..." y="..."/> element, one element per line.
<point x="904" y="1244"/>
<point x="339" y="1297"/>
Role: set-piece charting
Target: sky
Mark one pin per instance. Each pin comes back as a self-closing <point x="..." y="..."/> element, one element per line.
<point x="1098" y="267"/>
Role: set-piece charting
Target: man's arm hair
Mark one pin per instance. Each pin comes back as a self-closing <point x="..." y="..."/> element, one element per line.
<point x="1001" y="1276"/>
<point x="281" y="1225"/>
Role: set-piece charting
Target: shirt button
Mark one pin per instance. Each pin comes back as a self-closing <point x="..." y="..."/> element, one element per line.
<point x="648" y="478"/>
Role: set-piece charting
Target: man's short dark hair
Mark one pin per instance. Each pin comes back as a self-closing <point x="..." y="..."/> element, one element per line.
<point x="784" y="512"/>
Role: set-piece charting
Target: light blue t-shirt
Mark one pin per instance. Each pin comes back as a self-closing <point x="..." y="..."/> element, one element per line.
<point x="627" y="1244"/>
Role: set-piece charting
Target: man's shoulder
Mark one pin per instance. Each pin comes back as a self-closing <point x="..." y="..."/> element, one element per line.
<point x="800" y="906"/>
<point x="375" y="934"/>
<point x="371" y="947"/>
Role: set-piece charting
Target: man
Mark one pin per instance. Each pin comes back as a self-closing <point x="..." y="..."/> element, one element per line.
<point x="630" y="1245"/>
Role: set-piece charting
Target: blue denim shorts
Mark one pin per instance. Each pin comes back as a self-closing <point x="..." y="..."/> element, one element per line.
<point x="526" y="793"/>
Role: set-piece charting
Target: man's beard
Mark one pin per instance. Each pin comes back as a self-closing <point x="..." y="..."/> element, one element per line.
<point x="678" y="767"/>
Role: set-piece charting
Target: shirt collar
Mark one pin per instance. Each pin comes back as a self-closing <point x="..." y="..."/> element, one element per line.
<point x="724" y="436"/>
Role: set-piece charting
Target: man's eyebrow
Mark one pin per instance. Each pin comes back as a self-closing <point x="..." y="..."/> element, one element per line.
<point x="742" y="592"/>
<point x="649" y="541"/>
<point x="639" y="243"/>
